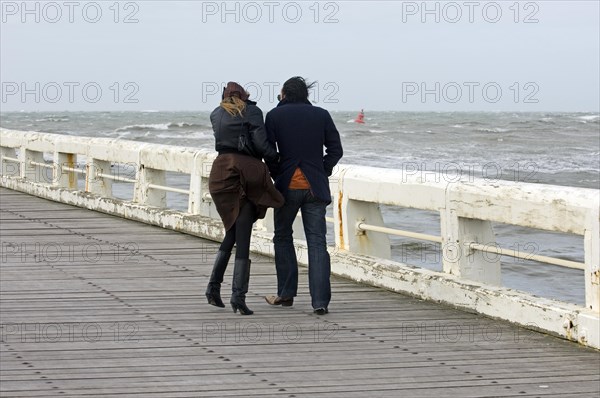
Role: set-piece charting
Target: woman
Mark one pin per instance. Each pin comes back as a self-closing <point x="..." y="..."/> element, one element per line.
<point x="240" y="186"/>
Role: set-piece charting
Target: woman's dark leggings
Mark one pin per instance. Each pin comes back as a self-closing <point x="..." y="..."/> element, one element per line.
<point x="240" y="233"/>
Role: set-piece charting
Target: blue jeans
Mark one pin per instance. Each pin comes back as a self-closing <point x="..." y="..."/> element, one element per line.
<point x="315" y="229"/>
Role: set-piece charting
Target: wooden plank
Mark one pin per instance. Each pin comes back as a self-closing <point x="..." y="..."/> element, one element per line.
<point x="135" y="323"/>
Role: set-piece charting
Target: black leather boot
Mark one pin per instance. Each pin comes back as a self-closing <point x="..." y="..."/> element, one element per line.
<point x="213" y="291"/>
<point x="241" y="278"/>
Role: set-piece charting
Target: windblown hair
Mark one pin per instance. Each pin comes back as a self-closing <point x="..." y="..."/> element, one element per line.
<point x="296" y="89"/>
<point x="233" y="105"/>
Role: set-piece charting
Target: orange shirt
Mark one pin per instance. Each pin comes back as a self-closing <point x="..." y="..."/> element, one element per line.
<point x="298" y="180"/>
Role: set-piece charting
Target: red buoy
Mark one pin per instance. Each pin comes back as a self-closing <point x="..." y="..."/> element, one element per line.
<point x="360" y="118"/>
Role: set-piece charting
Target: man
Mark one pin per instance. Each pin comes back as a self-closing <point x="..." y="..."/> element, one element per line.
<point x="300" y="131"/>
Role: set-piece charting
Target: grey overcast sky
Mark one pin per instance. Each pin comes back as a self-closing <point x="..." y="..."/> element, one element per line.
<point x="376" y="55"/>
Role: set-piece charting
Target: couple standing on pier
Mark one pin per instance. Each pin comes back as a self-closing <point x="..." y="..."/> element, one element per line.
<point x="291" y="142"/>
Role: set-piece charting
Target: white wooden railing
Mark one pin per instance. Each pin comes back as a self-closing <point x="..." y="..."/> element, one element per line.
<point x="48" y="165"/>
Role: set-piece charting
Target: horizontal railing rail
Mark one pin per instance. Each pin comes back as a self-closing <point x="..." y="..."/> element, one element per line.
<point x="361" y="227"/>
<point x="466" y="209"/>
<point x="494" y="249"/>
<point x="488" y="248"/>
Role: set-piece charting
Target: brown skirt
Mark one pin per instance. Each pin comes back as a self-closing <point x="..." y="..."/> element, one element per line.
<point x="235" y="178"/>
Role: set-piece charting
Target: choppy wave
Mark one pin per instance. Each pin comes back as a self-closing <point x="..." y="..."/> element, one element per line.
<point x="547" y="120"/>
<point x="160" y="126"/>
<point x="185" y="125"/>
<point x="589" y="117"/>
<point x="185" y="135"/>
<point x="134" y="127"/>
<point x="375" y="131"/>
<point x="53" y="118"/>
<point x="492" y="130"/>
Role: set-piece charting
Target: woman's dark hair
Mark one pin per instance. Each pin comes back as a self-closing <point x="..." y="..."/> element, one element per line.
<point x="296" y="89"/>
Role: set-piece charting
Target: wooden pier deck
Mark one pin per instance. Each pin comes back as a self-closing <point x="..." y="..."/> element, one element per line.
<point x="98" y="306"/>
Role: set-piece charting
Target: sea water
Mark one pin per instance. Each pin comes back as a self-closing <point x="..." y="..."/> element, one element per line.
<point x="543" y="148"/>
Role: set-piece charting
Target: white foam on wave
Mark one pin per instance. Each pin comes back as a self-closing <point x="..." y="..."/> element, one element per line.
<point x="378" y="131"/>
<point x="53" y="119"/>
<point x="158" y="126"/>
<point x="589" y="117"/>
<point x="494" y="130"/>
<point x="186" y="135"/>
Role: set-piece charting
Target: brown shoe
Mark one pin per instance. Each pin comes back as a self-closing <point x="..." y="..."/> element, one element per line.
<point x="282" y="301"/>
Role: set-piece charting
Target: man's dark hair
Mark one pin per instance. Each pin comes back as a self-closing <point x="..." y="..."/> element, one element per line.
<point x="296" y="89"/>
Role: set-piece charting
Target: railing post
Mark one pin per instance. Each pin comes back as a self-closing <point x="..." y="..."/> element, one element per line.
<point x="195" y="197"/>
<point x="33" y="172"/>
<point x="457" y="256"/>
<point x="8" y="168"/>
<point x="591" y="247"/>
<point x="348" y="237"/>
<point x="205" y="205"/>
<point x="93" y="182"/>
<point x="65" y="178"/>
<point x="363" y="242"/>
<point x="146" y="195"/>
<point x="335" y="185"/>
<point x="267" y="225"/>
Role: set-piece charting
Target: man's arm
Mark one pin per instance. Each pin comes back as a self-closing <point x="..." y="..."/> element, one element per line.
<point x="270" y="128"/>
<point x="259" y="135"/>
<point x="333" y="146"/>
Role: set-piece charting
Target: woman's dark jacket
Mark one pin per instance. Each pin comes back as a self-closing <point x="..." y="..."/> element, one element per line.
<point x="227" y="130"/>
<point x="236" y="177"/>
<point x="301" y="130"/>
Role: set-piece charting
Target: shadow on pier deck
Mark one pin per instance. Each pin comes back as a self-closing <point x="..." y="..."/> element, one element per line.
<point x="94" y="305"/>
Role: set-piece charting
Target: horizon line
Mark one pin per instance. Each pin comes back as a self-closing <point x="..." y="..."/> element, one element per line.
<point x="352" y="110"/>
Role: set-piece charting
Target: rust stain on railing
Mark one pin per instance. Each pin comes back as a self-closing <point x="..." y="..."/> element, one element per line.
<point x="340" y="219"/>
<point x="87" y="179"/>
<point x="71" y="160"/>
